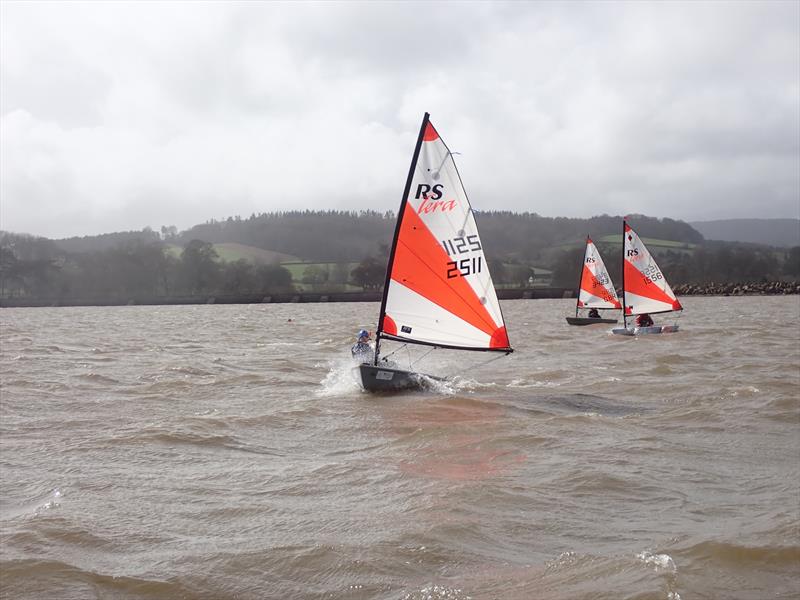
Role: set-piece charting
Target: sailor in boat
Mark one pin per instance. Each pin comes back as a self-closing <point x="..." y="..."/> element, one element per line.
<point x="362" y="350"/>
<point x="644" y="320"/>
<point x="594" y="314"/>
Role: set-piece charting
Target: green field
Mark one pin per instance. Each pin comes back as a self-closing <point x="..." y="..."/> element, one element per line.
<point x="231" y="252"/>
<point x="174" y="250"/>
<point x="649" y="242"/>
<point x="336" y="273"/>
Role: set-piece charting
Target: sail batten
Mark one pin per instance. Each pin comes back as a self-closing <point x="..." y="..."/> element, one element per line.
<point x="438" y="289"/>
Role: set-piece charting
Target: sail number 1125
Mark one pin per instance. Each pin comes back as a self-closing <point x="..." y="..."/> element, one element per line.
<point x="462" y="245"/>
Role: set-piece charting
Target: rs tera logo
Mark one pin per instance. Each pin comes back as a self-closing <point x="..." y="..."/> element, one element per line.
<point x="431" y="199"/>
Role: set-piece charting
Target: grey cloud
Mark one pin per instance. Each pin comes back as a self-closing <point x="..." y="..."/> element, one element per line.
<point x="151" y="114"/>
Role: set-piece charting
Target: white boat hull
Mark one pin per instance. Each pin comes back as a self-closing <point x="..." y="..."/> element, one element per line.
<point x="654" y="329"/>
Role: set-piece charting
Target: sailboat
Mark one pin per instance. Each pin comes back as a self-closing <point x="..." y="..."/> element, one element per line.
<point x="438" y="291"/>
<point x="595" y="290"/>
<point x="644" y="287"/>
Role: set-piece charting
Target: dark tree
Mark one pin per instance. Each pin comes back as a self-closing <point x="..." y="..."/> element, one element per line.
<point x="369" y="274"/>
<point x="567" y="268"/>
<point x="199" y="266"/>
<point x="273" y="278"/>
<point x="239" y="277"/>
<point x="792" y="265"/>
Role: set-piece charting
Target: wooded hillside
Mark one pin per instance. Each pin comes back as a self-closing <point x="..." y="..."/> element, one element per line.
<point x="348" y="250"/>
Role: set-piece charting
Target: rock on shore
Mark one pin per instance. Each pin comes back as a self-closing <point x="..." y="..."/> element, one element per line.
<point x="738" y="289"/>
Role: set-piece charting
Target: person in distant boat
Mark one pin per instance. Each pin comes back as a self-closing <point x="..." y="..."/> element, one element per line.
<point x="644" y="320"/>
<point x="362" y="349"/>
<point x="594" y="314"/>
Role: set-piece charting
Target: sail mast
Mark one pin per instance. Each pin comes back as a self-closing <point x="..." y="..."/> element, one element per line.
<point x="624" y="301"/>
<point x="580" y="274"/>
<point x="400" y="213"/>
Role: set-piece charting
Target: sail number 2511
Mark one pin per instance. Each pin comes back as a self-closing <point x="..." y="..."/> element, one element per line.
<point x="464" y="267"/>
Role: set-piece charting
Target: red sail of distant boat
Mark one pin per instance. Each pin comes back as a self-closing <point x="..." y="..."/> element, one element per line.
<point x="645" y="289"/>
<point x="596" y="288"/>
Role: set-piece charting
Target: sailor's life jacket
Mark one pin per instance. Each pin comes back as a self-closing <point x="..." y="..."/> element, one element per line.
<point x="362" y="351"/>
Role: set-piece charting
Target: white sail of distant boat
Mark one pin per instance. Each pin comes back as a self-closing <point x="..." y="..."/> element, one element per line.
<point x="438" y="291"/>
<point x="595" y="290"/>
<point x="644" y="288"/>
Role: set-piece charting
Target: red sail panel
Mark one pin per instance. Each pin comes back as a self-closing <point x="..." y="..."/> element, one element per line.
<point x="421" y="264"/>
<point x="638" y="283"/>
<point x="430" y="133"/>
<point x="591" y="285"/>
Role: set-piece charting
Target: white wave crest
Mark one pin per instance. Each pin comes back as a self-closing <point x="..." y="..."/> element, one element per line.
<point x="659" y="561"/>
<point x="341" y="379"/>
<point x="437" y="592"/>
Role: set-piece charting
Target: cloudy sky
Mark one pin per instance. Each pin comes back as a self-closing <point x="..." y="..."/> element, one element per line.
<point x="121" y="115"/>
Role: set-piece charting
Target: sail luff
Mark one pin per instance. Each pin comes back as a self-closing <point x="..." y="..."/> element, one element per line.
<point x="400" y="212"/>
<point x="580" y="275"/>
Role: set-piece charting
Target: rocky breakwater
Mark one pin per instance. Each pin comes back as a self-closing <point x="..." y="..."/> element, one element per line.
<point x="770" y="288"/>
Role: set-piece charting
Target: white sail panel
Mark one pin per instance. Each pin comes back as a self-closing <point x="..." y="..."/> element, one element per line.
<point x="439" y="256"/>
<point x="597" y="290"/>
<point x="432" y="324"/>
<point x="646" y="288"/>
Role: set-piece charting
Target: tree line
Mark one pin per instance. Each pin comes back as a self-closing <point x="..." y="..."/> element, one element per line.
<point x="339" y="236"/>
<point x="131" y="269"/>
<point x="707" y="263"/>
<point x="173" y="263"/>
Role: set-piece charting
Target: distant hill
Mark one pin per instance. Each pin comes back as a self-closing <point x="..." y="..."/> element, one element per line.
<point x="773" y="232"/>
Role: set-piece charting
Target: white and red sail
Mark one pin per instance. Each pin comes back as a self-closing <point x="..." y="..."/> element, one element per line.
<point x="438" y="288"/>
<point x="596" y="288"/>
<point x="645" y="288"/>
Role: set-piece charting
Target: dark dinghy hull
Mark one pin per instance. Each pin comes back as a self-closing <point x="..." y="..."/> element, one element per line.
<point x="588" y="321"/>
<point x="387" y="379"/>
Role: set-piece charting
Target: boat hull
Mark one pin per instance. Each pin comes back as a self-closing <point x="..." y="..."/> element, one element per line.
<point x="655" y="329"/>
<point x="588" y="321"/>
<point x="388" y="379"/>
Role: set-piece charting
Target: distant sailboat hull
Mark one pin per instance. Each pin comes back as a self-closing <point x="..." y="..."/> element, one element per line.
<point x="388" y="379"/>
<point x="654" y="329"/>
<point x="588" y="321"/>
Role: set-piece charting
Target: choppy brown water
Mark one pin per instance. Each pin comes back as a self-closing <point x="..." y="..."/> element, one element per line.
<point x="221" y="452"/>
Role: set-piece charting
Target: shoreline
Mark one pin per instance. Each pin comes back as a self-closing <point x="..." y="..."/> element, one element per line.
<point x="278" y="298"/>
<point x="778" y="288"/>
